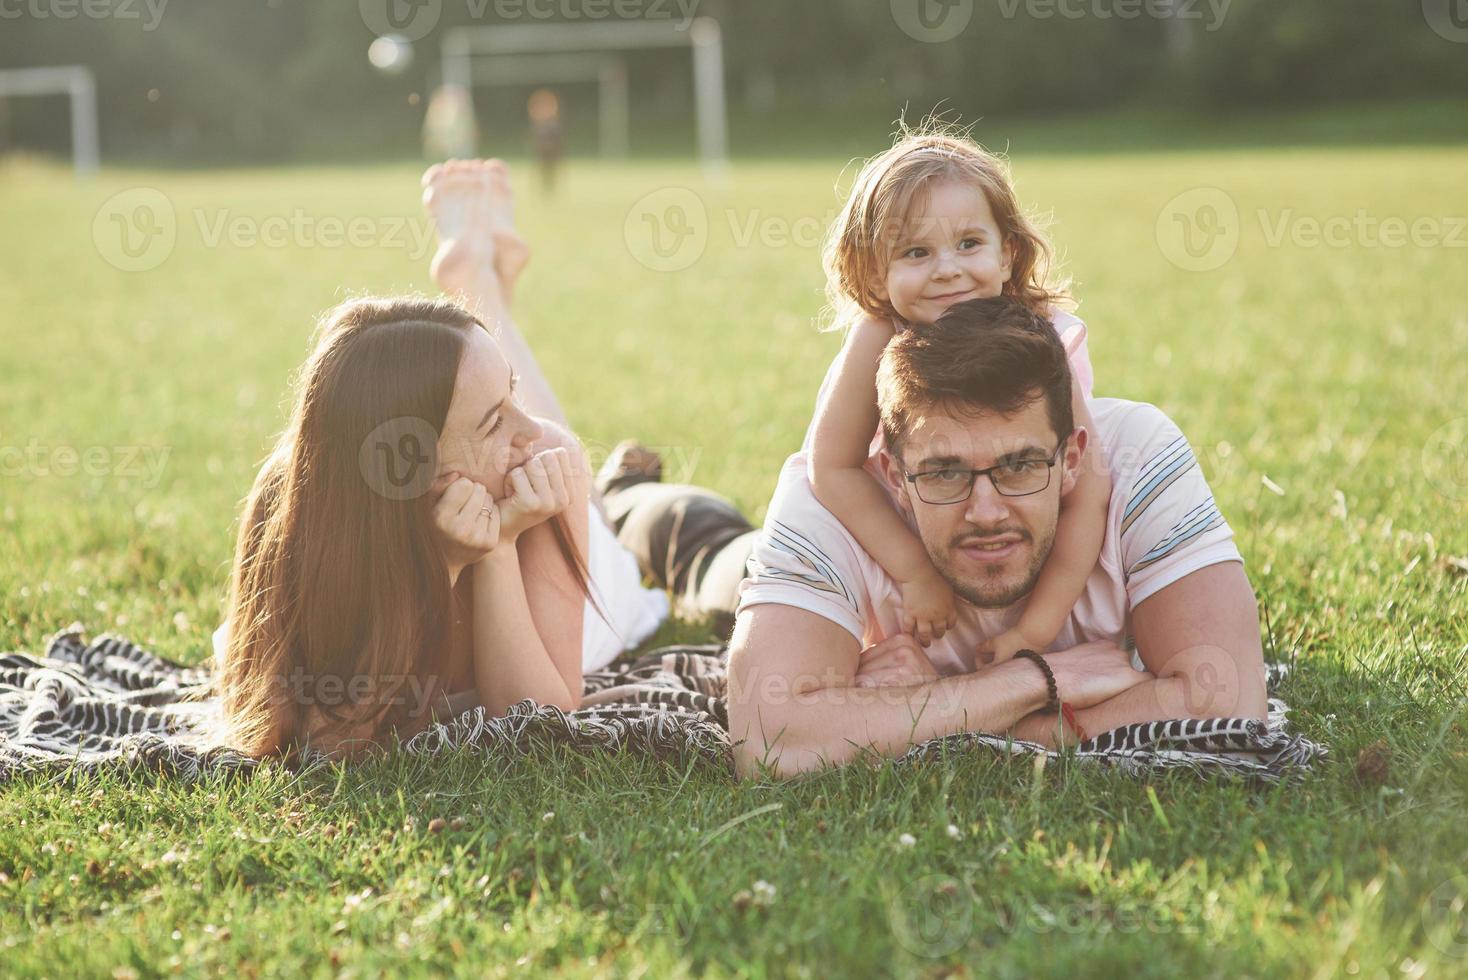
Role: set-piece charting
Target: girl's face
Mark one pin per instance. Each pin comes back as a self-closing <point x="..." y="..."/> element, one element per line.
<point x="486" y="434"/>
<point x="951" y="250"/>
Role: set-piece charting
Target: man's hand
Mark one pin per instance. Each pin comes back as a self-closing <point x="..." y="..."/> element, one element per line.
<point x="1094" y="672"/>
<point x="897" y="661"/>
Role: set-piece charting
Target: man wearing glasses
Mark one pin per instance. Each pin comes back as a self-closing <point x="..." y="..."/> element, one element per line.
<point x="979" y="448"/>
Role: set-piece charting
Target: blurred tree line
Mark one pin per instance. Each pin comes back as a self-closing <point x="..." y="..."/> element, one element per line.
<point x="289" y="79"/>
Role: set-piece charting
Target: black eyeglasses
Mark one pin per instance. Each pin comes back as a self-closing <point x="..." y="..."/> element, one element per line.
<point x="1015" y="478"/>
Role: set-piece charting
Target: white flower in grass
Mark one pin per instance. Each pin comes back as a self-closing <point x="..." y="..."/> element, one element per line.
<point x="906" y="841"/>
<point x="954" y="832"/>
<point x="548" y="817"/>
<point x="764" y="893"/>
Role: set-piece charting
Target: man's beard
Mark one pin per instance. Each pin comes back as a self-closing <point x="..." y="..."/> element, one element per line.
<point x="995" y="592"/>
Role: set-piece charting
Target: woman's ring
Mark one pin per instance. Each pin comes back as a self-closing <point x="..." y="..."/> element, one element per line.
<point x="485" y="512"/>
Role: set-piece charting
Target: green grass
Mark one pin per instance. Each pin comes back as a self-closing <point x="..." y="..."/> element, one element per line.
<point x="1337" y="373"/>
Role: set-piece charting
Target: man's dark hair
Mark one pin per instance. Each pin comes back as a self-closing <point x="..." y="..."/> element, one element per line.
<point x="990" y="355"/>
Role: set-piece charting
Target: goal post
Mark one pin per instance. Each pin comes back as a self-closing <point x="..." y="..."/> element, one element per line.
<point x="608" y="72"/>
<point x="77" y="83"/>
<point x="461" y="46"/>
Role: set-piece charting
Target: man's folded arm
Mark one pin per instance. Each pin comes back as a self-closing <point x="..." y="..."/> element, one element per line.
<point x="1200" y="637"/>
<point x="792" y="707"/>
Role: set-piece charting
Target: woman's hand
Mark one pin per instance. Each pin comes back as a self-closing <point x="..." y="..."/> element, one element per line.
<point x="539" y="490"/>
<point x="467" y="520"/>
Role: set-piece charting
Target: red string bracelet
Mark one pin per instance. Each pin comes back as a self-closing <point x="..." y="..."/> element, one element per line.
<point x="1069" y="714"/>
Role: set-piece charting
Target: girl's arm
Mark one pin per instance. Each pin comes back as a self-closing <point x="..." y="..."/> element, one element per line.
<point x="1078" y="539"/>
<point x="842" y="436"/>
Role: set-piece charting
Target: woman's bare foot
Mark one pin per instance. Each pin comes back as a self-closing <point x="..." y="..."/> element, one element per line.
<point x="510" y="250"/>
<point x="479" y="252"/>
<point x="456" y="197"/>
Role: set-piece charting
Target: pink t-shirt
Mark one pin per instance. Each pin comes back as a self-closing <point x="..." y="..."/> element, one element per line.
<point x="1162" y="525"/>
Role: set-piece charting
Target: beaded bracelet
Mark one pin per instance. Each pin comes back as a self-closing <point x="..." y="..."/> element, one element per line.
<point x="1054" y="703"/>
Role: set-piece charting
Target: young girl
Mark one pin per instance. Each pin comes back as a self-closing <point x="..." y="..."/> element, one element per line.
<point x="932" y="222"/>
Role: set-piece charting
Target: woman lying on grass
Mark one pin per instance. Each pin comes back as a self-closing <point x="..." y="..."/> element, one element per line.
<point x="425" y="536"/>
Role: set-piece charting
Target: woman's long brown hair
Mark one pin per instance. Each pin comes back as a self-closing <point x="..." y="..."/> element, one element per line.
<point x="340" y="596"/>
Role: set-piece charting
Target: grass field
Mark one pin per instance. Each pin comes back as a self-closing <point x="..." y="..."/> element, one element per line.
<point x="1321" y="381"/>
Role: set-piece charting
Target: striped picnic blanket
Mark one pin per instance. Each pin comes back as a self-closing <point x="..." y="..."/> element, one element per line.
<point x="88" y="705"/>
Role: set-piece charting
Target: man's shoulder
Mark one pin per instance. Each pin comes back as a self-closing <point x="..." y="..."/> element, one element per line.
<point x="1134" y="434"/>
<point x="1128" y="421"/>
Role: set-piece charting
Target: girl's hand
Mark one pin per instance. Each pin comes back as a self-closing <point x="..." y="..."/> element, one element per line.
<point x="539" y="490"/>
<point x="1004" y="646"/>
<point x="895" y="662"/>
<point x="467" y="521"/>
<point x="928" y="610"/>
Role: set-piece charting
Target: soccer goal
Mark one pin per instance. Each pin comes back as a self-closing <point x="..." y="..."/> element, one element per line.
<point x="78" y="84"/>
<point x="538" y="54"/>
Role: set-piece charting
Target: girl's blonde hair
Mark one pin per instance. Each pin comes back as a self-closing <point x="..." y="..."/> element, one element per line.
<point x="888" y="188"/>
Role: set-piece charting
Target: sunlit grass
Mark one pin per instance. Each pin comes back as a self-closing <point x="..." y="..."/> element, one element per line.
<point x="1323" y="387"/>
